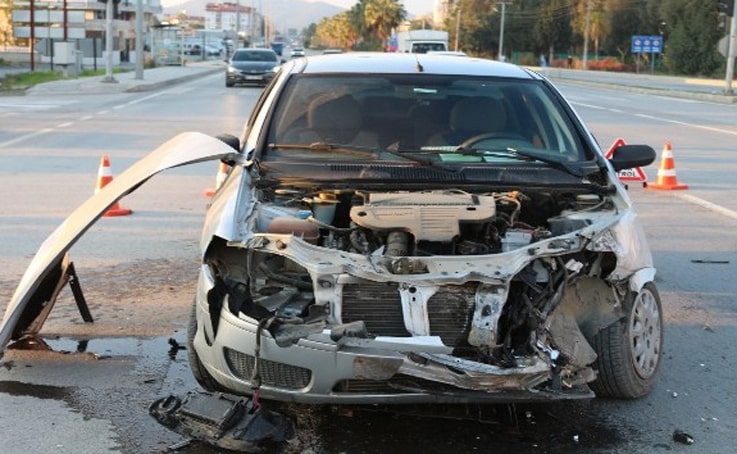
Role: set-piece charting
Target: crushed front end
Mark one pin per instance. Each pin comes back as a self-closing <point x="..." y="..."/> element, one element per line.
<point x="365" y="296"/>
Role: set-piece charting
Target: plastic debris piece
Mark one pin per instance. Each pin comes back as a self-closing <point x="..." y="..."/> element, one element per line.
<point x="682" y="437"/>
<point x="222" y="420"/>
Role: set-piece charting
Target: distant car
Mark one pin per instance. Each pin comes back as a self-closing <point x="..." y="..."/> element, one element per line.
<point x="213" y="50"/>
<point x="192" y="49"/>
<point x="297" y="52"/>
<point x="252" y="66"/>
<point x="389" y="235"/>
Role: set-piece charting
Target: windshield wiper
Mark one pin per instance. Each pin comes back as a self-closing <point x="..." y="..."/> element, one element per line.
<point x="354" y="150"/>
<point x="525" y="155"/>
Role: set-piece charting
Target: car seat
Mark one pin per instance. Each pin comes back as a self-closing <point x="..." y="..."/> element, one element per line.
<point x="470" y="117"/>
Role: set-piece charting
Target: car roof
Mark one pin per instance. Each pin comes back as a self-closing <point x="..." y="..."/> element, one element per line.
<point x="255" y="49"/>
<point x="406" y="63"/>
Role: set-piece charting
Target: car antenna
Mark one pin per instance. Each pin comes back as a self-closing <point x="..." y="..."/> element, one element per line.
<point x="419" y="65"/>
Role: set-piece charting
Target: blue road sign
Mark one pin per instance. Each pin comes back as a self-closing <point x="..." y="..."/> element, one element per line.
<point x="642" y="44"/>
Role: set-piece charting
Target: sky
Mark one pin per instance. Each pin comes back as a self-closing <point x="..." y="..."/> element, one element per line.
<point x="414" y="7"/>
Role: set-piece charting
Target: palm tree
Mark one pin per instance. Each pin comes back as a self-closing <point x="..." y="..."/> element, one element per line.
<point x="381" y="16"/>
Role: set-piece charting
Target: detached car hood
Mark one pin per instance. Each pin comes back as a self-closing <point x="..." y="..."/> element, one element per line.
<point x="44" y="277"/>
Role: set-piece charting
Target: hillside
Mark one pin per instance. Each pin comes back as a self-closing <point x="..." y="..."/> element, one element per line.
<point x="285" y="13"/>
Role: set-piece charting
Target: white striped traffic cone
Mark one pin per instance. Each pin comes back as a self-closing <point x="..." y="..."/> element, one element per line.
<point x="667" y="172"/>
<point x="105" y="176"/>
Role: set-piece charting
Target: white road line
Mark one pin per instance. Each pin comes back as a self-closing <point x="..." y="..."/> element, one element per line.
<point x="665" y="120"/>
<point x="706" y="128"/>
<point x="25" y="137"/>
<point x="65" y="125"/>
<point x="119" y="106"/>
<point x="708" y="205"/>
<point x="588" y="106"/>
<point x="146" y="98"/>
<point x="86" y="117"/>
<point x="102" y="112"/>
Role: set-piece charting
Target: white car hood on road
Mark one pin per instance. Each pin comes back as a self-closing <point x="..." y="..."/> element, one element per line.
<point x="40" y="283"/>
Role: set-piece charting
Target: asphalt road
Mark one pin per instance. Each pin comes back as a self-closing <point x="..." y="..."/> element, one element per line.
<point x="96" y="400"/>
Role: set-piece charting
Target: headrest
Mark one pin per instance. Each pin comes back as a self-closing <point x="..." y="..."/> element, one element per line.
<point x="478" y="115"/>
<point x="335" y="114"/>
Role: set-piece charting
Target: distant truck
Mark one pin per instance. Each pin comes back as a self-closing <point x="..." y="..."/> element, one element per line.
<point x="422" y="41"/>
<point x="278" y="47"/>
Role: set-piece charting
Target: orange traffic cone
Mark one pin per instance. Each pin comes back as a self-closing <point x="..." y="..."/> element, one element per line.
<point x="105" y="176"/>
<point x="219" y="179"/>
<point x="667" y="173"/>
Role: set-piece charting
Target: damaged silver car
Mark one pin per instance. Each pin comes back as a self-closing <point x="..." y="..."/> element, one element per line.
<point x="404" y="228"/>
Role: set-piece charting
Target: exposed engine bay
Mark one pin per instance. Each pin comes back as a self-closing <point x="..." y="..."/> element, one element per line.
<point x="421" y="223"/>
<point x="486" y="283"/>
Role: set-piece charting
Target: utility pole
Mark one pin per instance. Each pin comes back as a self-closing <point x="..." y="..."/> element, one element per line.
<point x="586" y="37"/>
<point x="32" y="42"/>
<point x="139" y="39"/>
<point x="732" y="52"/>
<point x="237" y="21"/>
<point x="109" y="43"/>
<point x="458" y="25"/>
<point x="500" y="57"/>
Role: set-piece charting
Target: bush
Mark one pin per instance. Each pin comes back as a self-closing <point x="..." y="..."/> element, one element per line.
<point x="607" y="64"/>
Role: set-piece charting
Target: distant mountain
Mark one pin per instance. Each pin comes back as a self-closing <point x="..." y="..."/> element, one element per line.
<point x="285" y="13"/>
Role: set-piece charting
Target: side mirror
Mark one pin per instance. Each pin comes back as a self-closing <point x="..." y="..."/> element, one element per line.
<point x="233" y="141"/>
<point x="631" y="156"/>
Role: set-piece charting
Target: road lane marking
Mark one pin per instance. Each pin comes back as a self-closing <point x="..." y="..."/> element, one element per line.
<point x="665" y="120"/>
<point x="86" y="117"/>
<point x="102" y="112"/>
<point x="7" y="143"/>
<point x="65" y="125"/>
<point x="708" y="205"/>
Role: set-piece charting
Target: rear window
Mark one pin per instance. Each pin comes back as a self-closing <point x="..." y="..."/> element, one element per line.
<point x="252" y="55"/>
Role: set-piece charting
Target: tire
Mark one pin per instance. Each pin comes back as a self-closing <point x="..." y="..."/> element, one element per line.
<point x="229" y="84"/>
<point x="201" y="374"/>
<point x="630" y="351"/>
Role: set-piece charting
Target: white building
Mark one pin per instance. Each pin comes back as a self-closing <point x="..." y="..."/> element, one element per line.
<point x="232" y="17"/>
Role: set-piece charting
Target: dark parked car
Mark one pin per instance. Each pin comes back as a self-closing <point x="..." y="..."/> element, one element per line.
<point x="251" y="66"/>
<point x="405" y="228"/>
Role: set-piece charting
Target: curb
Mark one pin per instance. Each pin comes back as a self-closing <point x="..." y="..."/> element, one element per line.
<point x="173" y="81"/>
<point x="94" y="85"/>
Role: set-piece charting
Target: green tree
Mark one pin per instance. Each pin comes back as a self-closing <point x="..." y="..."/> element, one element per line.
<point x="6" y="25"/>
<point x="628" y="18"/>
<point x="553" y="28"/>
<point x="337" y="31"/>
<point x="374" y="20"/>
<point x="693" y="36"/>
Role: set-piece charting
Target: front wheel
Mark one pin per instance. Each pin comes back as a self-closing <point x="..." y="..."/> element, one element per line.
<point x="630" y="350"/>
<point x="199" y="372"/>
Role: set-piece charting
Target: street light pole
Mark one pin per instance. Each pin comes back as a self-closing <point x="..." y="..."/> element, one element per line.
<point x="732" y="53"/>
<point x="109" y="42"/>
<point x="585" y="60"/>
<point x="458" y="26"/>
<point x="500" y="57"/>
<point x="139" y="39"/>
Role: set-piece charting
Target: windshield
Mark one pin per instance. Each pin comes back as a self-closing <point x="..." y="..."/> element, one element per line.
<point x="254" y="55"/>
<point x="441" y="119"/>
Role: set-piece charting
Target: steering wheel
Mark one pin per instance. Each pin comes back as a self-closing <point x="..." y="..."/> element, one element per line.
<point x="491" y="135"/>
